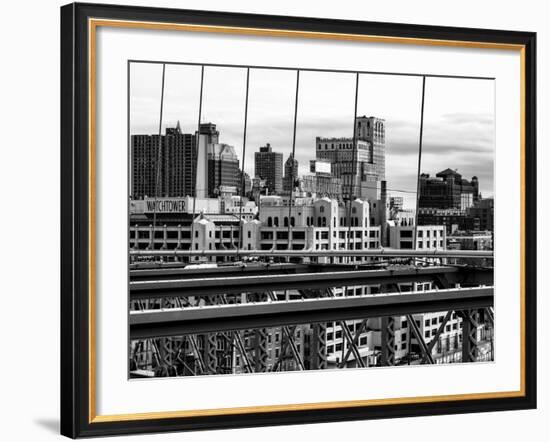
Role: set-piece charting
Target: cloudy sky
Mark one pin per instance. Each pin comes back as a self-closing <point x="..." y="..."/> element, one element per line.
<point x="458" y="117"/>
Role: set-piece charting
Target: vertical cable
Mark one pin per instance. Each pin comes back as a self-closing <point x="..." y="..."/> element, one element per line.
<point x="241" y="239"/>
<point x="353" y="161"/>
<point x="419" y="162"/>
<point x="159" y="154"/>
<point x="290" y="201"/>
<point x="194" y="166"/>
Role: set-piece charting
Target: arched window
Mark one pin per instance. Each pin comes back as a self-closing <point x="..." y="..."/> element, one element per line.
<point x="276" y="221"/>
<point x="269" y="222"/>
<point x="334" y="222"/>
<point x="322" y="209"/>
<point x="286" y="221"/>
<point x="292" y="221"/>
<point x="324" y="221"/>
<point x="354" y="210"/>
<point x="318" y="221"/>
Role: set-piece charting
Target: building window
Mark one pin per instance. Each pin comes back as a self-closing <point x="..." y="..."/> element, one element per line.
<point x="269" y="222"/>
<point x="249" y="233"/>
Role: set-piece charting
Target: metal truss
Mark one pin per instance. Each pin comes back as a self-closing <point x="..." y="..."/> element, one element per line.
<point x="437" y="335"/>
<point x="469" y="334"/>
<point x="426" y="350"/>
<point x="353" y="345"/>
<point x="185" y="287"/>
<point x="217" y="318"/>
<point x="387" y="324"/>
<point x="318" y="355"/>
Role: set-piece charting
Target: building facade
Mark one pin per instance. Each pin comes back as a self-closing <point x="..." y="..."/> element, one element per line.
<point x="373" y="131"/>
<point x="291" y="174"/>
<point x="448" y="190"/>
<point x="223" y="169"/>
<point x="268" y="166"/>
<point x="168" y="173"/>
<point x="484" y="210"/>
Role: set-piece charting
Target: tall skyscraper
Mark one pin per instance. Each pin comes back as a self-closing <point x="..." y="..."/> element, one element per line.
<point x="291" y="174"/>
<point x="268" y="166"/>
<point x="373" y="131"/>
<point x="209" y="130"/>
<point x="359" y="162"/>
<point x="223" y="168"/>
<point x="168" y="173"/>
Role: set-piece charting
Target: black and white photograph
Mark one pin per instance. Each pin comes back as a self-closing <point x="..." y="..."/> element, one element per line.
<point x="263" y="195"/>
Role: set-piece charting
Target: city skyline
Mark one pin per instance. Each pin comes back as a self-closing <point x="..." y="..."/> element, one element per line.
<point x="337" y="236"/>
<point x="458" y="122"/>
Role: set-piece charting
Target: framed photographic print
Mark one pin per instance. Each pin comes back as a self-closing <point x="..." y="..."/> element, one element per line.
<point x="279" y="220"/>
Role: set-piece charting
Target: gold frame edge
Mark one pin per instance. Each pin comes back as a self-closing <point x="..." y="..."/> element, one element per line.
<point x="93" y="417"/>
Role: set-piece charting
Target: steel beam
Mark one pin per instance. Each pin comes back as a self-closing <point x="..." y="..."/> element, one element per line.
<point x="352" y="344"/>
<point x="170" y="273"/>
<point x="323" y="280"/>
<point x="426" y="350"/>
<point x="387" y="327"/>
<point x="319" y="253"/>
<point x="190" y="320"/>
<point x="318" y="348"/>
<point x="437" y="335"/>
<point x="469" y="335"/>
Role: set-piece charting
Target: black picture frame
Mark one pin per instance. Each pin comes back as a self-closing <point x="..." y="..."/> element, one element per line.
<point x="76" y="418"/>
